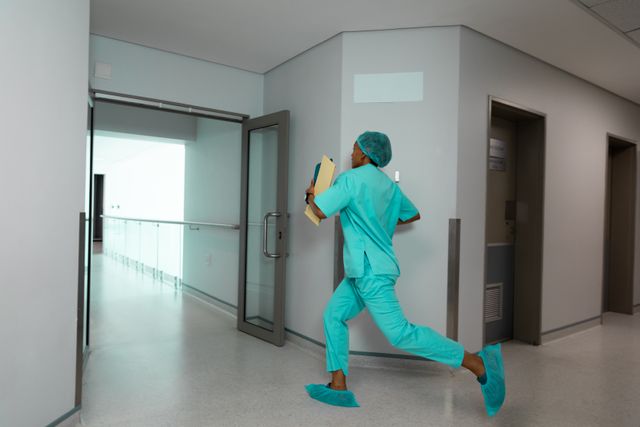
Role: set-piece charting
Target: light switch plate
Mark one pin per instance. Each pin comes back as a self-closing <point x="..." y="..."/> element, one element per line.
<point x="103" y="70"/>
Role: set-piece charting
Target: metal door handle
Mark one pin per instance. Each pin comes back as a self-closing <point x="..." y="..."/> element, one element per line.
<point x="265" y="234"/>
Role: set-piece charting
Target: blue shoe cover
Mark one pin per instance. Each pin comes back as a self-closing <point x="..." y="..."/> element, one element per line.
<point x="494" y="389"/>
<point x="329" y="396"/>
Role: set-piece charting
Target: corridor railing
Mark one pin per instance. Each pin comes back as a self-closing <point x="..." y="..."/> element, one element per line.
<point x="151" y="246"/>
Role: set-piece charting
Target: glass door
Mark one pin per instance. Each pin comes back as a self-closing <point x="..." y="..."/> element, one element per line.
<point x="263" y="226"/>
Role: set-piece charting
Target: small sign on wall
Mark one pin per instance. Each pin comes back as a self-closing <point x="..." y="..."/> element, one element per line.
<point x="388" y="87"/>
<point x="497" y="155"/>
<point x="496" y="164"/>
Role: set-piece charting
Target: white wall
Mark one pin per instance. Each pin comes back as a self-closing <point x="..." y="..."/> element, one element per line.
<point x="579" y="115"/>
<point x="43" y="83"/>
<point x="212" y="163"/>
<point x="145" y="122"/>
<point x="309" y="86"/>
<point x="138" y="70"/>
<point x="439" y="148"/>
<point x="424" y="142"/>
<point x="318" y="89"/>
<point x="212" y="194"/>
<point x="148" y="184"/>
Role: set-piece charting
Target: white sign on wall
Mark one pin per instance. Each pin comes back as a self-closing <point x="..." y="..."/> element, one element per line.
<point x="497" y="155"/>
<point x="497" y="148"/>
<point x="388" y="87"/>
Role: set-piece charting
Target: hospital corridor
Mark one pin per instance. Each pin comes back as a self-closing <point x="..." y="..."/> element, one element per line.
<point x="362" y="213"/>
<point x="163" y="358"/>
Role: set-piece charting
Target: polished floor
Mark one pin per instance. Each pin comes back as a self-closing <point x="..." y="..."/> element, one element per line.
<point x="160" y="358"/>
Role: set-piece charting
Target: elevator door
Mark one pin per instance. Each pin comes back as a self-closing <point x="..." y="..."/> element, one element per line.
<point x="501" y="196"/>
<point x="620" y="227"/>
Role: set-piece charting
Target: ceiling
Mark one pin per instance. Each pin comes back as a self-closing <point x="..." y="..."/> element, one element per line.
<point x="258" y="35"/>
<point x="621" y="15"/>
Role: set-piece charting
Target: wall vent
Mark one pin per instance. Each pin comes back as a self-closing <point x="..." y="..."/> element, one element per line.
<point x="493" y="296"/>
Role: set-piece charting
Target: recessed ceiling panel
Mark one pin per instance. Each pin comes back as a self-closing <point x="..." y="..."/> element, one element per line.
<point x="635" y="35"/>
<point x="591" y="3"/>
<point x="623" y="14"/>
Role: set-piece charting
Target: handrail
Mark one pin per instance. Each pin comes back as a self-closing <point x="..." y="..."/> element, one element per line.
<point x="204" y="224"/>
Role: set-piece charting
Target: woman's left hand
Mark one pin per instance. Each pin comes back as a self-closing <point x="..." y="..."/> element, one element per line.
<point x="311" y="189"/>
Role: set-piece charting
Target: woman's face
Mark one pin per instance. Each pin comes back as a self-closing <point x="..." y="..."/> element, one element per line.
<point x="357" y="156"/>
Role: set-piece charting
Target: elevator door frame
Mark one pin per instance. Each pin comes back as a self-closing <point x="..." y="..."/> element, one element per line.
<point x="534" y="337"/>
<point x="629" y="309"/>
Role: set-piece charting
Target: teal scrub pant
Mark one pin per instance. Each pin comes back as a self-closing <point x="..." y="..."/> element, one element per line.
<point x="377" y="294"/>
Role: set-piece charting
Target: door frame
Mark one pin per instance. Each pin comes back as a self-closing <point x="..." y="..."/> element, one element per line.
<point x="537" y="339"/>
<point x="280" y="118"/>
<point x="606" y="248"/>
<point x="89" y="237"/>
<point x="97" y="96"/>
<point x="98" y="206"/>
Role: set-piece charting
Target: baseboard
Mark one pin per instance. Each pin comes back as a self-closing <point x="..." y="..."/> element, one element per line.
<point x="70" y="419"/>
<point x="636" y="308"/>
<point x="308" y="345"/>
<point x="360" y="359"/>
<point x="574" y="328"/>
<point x="363" y="359"/>
<point x="196" y="293"/>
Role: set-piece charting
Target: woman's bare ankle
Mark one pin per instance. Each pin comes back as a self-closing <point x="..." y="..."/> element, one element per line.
<point x="338" y="380"/>
<point x="473" y="363"/>
<point x="334" y="386"/>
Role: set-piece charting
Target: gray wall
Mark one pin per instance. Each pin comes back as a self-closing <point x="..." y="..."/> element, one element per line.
<point x="309" y="86"/>
<point x="44" y="92"/>
<point x="137" y="70"/>
<point x="578" y="117"/>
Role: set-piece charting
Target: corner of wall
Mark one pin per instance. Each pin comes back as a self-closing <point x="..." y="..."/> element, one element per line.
<point x="468" y="208"/>
<point x="309" y="86"/>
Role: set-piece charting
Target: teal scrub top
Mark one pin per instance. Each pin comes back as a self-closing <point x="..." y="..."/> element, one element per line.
<point x="370" y="205"/>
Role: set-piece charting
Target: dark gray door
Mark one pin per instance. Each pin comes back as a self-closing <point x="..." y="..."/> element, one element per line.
<point x="98" y="206"/>
<point x="620" y="232"/>
<point x="263" y="226"/>
<point x="527" y="298"/>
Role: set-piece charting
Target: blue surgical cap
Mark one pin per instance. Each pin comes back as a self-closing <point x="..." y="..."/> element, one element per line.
<point x="376" y="146"/>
